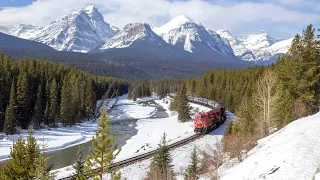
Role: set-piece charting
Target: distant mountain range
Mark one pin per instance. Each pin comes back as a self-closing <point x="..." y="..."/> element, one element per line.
<point x="12" y="42"/>
<point x="181" y="38"/>
<point x="259" y="48"/>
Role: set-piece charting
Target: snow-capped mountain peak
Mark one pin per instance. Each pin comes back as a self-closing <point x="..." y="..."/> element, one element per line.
<point x="24" y="31"/>
<point x="131" y="33"/>
<point x="175" y="23"/>
<point x="185" y="33"/>
<point x="79" y="31"/>
<point x="258" y="47"/>
<point x="259" y="40"/>
<point x="223" y="31"/>
<point x="90" y="9"/>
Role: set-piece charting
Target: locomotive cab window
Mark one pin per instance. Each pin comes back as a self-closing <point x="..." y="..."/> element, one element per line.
<point x="203" y="116"/>
<point x="198" y="116"/>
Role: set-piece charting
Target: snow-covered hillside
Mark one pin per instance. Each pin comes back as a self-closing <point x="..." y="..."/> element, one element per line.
<point x="280" y="47"/>
<point x="185" y="33"/>
<point x="258" y="48"/>
<point x="24" y="31"/>
<point x="291" y="153"/>
<point x="79" y="31"/>
<point x="131" y="33"/>
<point x="237" y="47"/>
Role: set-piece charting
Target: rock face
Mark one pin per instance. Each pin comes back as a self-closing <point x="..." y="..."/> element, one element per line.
<point x="259" y="48"/>
<point x="132" y="33"/>
<point x="79" y="31"/>
<point x="138" y="39"/>
<point x="191" y="36"/>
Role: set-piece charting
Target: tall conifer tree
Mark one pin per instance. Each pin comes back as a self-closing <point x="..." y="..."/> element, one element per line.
<point x="78" y="165"/>
<point x="103" y="151"/>
<point x="53" y="105"/>
<point x="90" y="99"/>
<point x="66" y="106"/>
<point x="182" y="104"/>
<point x="10" y="118"/>
<point x="193" y="169"/>
<point x="38" y="113"/>
<point x="23" y="100"/>
<point x="161" y="165"/>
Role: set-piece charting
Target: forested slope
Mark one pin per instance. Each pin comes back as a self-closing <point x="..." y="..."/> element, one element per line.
<point x="38" y="92"/>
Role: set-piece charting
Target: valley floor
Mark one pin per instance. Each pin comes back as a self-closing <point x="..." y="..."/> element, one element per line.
<point x="150" y="131"/>
<point x="64" y="137"/>
<point x="180" y="156"/>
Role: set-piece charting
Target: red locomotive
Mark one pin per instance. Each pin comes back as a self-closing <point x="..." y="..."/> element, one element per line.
<point x="205" y="122"/>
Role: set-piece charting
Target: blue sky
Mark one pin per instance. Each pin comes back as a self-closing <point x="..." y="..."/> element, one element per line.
<point x="15" y="3"/>
<point x="281" y="18"/>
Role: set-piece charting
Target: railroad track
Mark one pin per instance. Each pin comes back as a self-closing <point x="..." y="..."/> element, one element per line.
<point x="147" y="155"/>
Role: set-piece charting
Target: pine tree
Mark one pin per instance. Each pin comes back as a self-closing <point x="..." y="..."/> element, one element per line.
<point x="46" y="114"/>
<point x="38" y="113"/>
<point x="228" y="128"/>
<point x="79" y="166"/>
<point x="22" y="163"/>
<point x="23" y="100"/>
<point x="66" y="107"/>
<point x="10" y="117"/>
<point x="182" y="107"/>
<point x="42" y="171"/>
<point x="246" y="117"/>
<point x="53" y="105"/>
<point x="15" y="168"/>
<point x="90" y="99"/>
<point x="193" y="170"/>
<point x="161" y="167"/>
<point x="103" y="152"/>
<point x="4" y="91"/>
<point x="32" y="152"/>
<point x="173" y="104"/>
<point x="76" y="101"/>
<point x="83" y="101"/>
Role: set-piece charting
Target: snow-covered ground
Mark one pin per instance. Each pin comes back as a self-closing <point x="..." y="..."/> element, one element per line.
<point x="64" y="137"/>
<point x="180" y="155"/>
<point x="291" y="153"/>
<point x="150" y="131"/>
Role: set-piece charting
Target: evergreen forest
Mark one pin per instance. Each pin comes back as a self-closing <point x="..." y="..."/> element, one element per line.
<point x="41" y="93"/>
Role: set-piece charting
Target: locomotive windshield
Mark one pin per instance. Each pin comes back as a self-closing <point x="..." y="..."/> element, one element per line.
<point x="198" y="117"/>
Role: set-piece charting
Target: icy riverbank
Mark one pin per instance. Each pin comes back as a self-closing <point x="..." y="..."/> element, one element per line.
<point x="64" y="137"/>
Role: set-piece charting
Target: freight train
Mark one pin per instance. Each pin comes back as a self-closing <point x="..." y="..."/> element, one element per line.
<point x="206" y="122"/>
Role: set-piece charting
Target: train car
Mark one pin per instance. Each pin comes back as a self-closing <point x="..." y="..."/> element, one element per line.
<point x="190" y="98"/>
<point x="212" y="103"/>
<point x="205" y="122"/>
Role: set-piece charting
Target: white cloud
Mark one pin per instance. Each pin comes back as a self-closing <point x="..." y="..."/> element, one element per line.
<point x="121" y="12"/>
